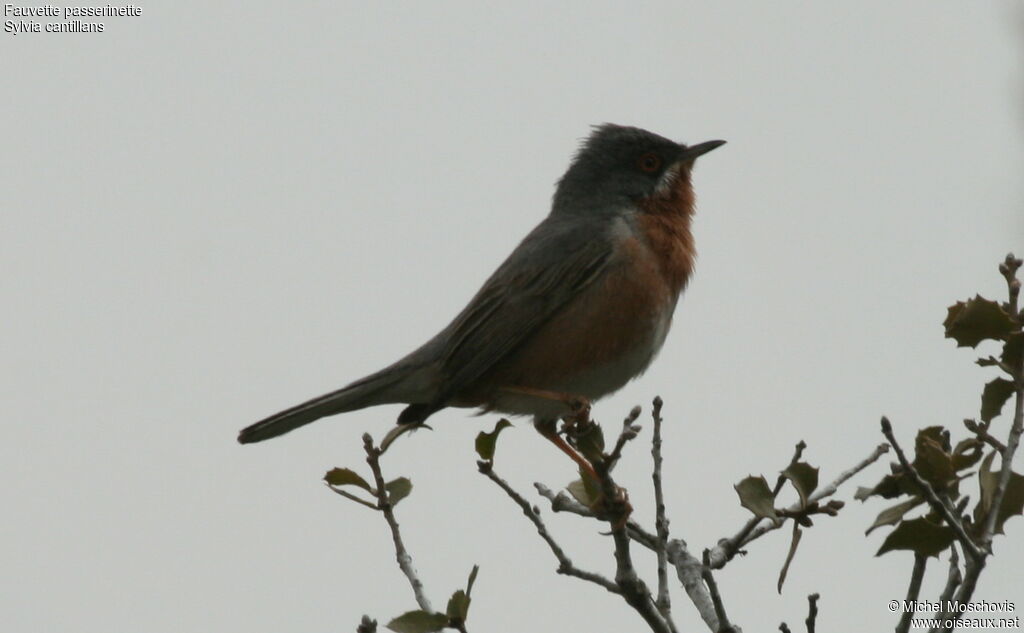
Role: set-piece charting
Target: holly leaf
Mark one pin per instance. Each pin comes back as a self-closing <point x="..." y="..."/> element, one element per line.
<point x="590" y="442"/>
<point x="1013" y="498"/>
<point x="804" y="478"/>
<point x="487" y="442"/>
<point x="967" y="453"/>
<point x="994" y="396"/>
<point x="398" y="489"/>
<point x="584" y="491"/>
<point x="932" y="459"/>
<point x="920" y="536"/>
<point x="976" y="320"/>
<point x="894" y="514"/>
<point x="458" y="606"/>
<point x="418" y="621"/>
<point x="797" y="535"/>
<point x="346" y="477"/>
<point x="756" y="496"/>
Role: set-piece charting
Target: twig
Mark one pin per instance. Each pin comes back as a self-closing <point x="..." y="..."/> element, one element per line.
<point x="812" y="611"/>
<point x="755" y="528"/>
<point x="913" y="591"/>
<point x="349" y="495"/>
<point x="629" y="432"/>
<point x="690" y="572"/>
<point x="366" y="625"/>
<point x="565" y="565"/>
<point x="660" y="521"/>
<point x="933" y="499"/>
<point x="784" y="628"/>
<point x="953" y="580"/>
<point x="384" y="504"/>
<point x="981" y="432"/>
<point x="716" y="598"/>
<point x="633" y="589"/>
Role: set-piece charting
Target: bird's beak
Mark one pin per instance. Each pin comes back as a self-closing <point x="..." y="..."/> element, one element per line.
<point x="699" y="149"/>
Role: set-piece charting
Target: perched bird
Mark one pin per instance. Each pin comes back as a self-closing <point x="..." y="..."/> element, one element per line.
<point x="579" y="308"/>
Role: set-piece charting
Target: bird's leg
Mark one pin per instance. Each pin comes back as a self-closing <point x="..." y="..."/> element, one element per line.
<point x="547" y="429"/>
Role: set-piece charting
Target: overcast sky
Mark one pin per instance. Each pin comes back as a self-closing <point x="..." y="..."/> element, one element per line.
<point x="215" y="210"/>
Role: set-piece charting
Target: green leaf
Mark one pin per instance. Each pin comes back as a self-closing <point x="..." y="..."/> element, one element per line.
<point x="756" y="496"/>
<point x="487" y="442"/>
<point x="975" y="320"/>
<point x="584" y="491"/>
<point x="1013" y="498"/>
<point x="894" y="514"/>
<point x="920" y="536"/>
<point x="398" y="489"/>
<point x="804" y="478"/>
<point x="418" y="622"/>
<point x="797" y="534"/>
<point x="472" y="579"/>
<point x="932" y="459"/>
<point x="590" y="441"/>
<point x="346" y="477"/>
<point x="994" y="396"/>
<point x="458" y="606"/>
<point x="967" y="453"/>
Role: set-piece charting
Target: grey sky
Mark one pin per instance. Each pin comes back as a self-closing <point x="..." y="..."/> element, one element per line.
<point x="215" y="210"/>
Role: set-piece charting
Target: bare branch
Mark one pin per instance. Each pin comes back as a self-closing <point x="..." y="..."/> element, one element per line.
<point x="716" y="599"/>
<point x="660" y="521"/>
<point x="755" y="528"/>
<point x="812" y="611"/>
<point x="953" y="580"/>
<point x="913" y="591"/>
<point x="690" y="573"/>
<point x="384" y="504"/>
<point x="981" y="432"/>
<point x="565" y="565"/>
<point x="933" y="499"/>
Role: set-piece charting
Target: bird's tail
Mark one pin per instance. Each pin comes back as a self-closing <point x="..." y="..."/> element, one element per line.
<point x="374" y="389"/>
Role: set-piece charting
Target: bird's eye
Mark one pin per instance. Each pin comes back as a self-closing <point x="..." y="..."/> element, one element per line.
<point x="649" y="162"/>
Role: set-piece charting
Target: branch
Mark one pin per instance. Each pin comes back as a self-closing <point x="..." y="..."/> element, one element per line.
<point x="664" y="602"/>
<point x="933" y="499"/>
<point x="384" y="505"/>
<point x="716" y="599"/>
<point x="690" y="572"/>
<point x="812" y="611"/>
<point x="565" y="565"/>
<point x="755" y="528"/>
<point x="913" y="591"/>
<point x="953" y="580"/>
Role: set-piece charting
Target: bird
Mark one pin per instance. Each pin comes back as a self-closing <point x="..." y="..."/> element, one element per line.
<point x="578" y="309"/>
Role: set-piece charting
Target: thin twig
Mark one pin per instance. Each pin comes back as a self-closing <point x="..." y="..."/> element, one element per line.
<point x="716" y="598"/>
<point x="797" y="454"/>
<point x="634" y="590"/>
<point x="913" y="591"/>
<point x="933" y="499"/>
<point x="565" y="565"/>
<point x="349" y="495"/>
<point x="755" y="528"/>
<point x="953" y="580"/>
<point x="384" y="504"/>
<point x="660" y="521"/>
<point x="784" y="628"/>
<point x="981" y="431"/>
<point x="812" y="611"/>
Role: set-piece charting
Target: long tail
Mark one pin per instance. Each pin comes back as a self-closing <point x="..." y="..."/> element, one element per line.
<point x="366" y="392"/>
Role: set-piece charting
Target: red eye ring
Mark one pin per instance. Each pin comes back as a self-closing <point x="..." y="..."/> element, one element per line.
<point x="649" y="162"/>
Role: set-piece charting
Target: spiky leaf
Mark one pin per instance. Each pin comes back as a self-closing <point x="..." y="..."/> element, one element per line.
<point x="920" y="536"/>
<point x="976" y="320"/>
<point x="804" y="478"/>
<point x="756" y="496"/>
<point x="1013" y="498"/>
<point x="994" y="396"/>
<point x="894" y="514"/>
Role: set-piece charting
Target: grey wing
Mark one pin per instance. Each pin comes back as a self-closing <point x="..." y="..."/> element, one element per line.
<point x="556" y="261"/>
